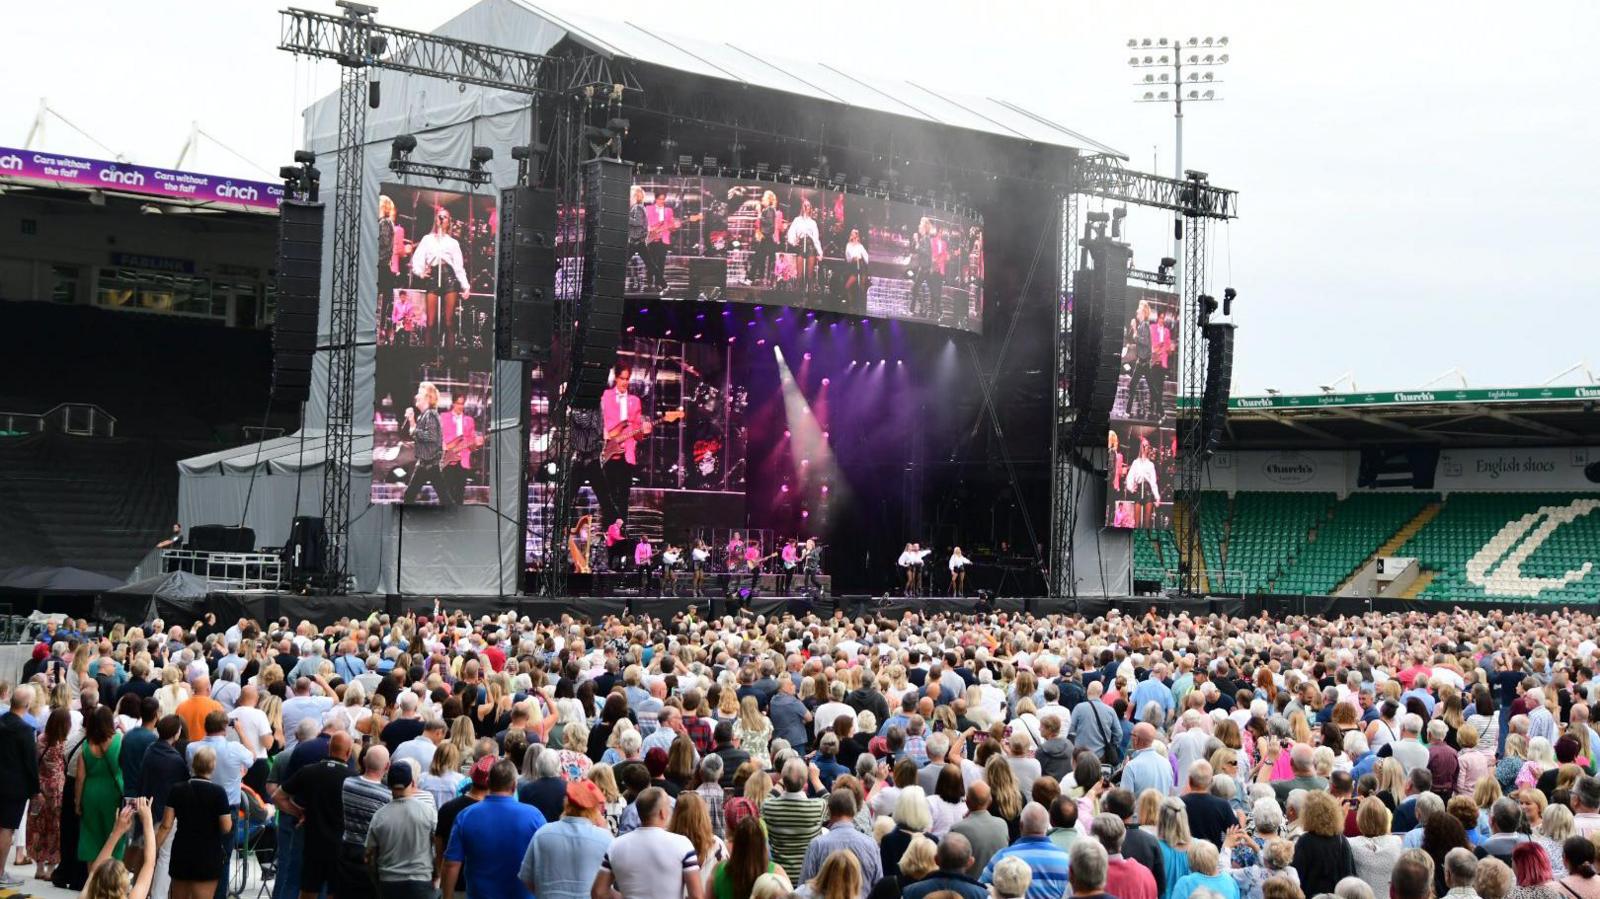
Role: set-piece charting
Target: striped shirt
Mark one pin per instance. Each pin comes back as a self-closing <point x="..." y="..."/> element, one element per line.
<point x="793" y="820"/>
<point x="1045" y="859"/>
<point x="362" y="798"/>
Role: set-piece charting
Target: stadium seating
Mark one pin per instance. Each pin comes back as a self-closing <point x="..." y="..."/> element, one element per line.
<point x="1359" y="524"/>
<point x="1471" y="522"/>
<point x="1266" y="533"/>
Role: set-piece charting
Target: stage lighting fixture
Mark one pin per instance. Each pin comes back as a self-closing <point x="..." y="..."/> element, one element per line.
<point x="1145" y="42"/>
<point x="709" y="162"/>
<point x="1228" y="296"/>
<point x="402" y="146"/>
<point x="481" y="156"/>
<point x="304" y="157"/>
<point x="826" y="382"/>
<point x="1117" y="215"/>
<point x="1193" y="41"/>
<point x="1148" y="96"/>
<point x="1209" y="95"/>
<point x="1208" y="306"/>
<point x="289" y="172"/>
<point x="786" y="170"/>
<point x="1149" y="79"/>
<point x="763" y="168"/>
<point x="685" y="161"/>
<point x="1133" y="60"/>
<point x="1195" y="175"/>
<point x="1149" y="60"/>
<point x="1133" y="42"/>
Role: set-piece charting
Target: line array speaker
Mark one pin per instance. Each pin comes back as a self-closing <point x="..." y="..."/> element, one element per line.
<point x="1102" y="307"/>
<point x="606" y="183"/>
<point x="297" y="287"/>
<point x="1219" y="384"/>
<point x="525" y="292"/>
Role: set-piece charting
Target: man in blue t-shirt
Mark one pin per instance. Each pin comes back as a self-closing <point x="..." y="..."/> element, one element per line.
<point x="491" y="839"/>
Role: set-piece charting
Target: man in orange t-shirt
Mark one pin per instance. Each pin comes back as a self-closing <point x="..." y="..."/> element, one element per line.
<point x="193" y="711"/>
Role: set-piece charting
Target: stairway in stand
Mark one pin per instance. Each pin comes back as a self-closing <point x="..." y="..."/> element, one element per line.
<point x="1181" y="523"/>
<point x="1393" y="544"/>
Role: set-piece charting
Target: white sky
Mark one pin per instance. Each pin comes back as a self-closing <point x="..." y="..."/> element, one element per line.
<point x="1418" y="180"/>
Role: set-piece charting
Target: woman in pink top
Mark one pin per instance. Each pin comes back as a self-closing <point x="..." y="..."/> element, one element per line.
<point x="1474" y="761"/>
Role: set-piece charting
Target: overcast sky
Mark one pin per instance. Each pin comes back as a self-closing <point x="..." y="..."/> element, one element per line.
<point x="1419" y="188"/>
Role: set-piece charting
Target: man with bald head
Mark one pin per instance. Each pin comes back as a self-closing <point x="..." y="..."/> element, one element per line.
<point x="985" y="833"/>
<point x="315" y="795"/>
<point x="361" y="798"/>
<point x="1305" y="776"/>
<point x="1146" y="768"/>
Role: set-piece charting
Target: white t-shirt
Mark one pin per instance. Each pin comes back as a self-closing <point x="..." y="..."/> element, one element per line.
<point x="298" y="707"/>
<point x="827" y="714"/>
<point x="254" y="722"/>
<point x="649" y="863"/>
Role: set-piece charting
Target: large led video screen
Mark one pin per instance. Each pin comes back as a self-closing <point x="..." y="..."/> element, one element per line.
<point x="1141" y="446"/>
<point x="755" y="241"/>
<point x="433" y="396"/>
<point x="663" y="451"/>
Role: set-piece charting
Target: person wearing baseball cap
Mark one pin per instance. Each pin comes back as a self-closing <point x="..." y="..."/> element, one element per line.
<point x="399" y="839"/>
<point x="564" y="856"/>
<point x="477" y="788"/>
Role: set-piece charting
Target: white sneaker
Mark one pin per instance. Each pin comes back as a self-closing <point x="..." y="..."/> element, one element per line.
<point x="10" y="880"/>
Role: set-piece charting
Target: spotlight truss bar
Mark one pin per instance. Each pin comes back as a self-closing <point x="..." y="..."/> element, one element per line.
<point x="440" y="172"/>
<point x="324" y="36"/>
<point x="1104" y="176"/>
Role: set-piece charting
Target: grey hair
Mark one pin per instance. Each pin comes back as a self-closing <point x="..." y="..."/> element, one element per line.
<point x="1460" y="867"/>
<point x="1086" y="865"/>
<point x="1269" y="818"/>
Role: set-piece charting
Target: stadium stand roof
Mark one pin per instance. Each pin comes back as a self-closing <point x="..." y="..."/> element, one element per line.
<point x="816" y="80"/>
<point x="1514" y="416"/>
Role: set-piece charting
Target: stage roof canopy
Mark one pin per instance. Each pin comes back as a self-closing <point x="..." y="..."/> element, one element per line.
<point x="816" y="80"/>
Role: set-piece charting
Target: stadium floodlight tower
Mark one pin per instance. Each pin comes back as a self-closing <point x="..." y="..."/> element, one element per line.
<point x="1177" y="71"/>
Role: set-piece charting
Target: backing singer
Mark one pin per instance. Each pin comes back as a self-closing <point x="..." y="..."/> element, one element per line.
<point x="438" y="264"/>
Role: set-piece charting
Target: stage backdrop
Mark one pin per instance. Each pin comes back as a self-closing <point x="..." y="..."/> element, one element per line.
<point x="787" y="245"/>
<point x="432" y="388"/>
<point x="1142" y="445"/>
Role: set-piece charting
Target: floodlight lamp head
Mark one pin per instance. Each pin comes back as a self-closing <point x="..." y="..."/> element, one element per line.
<point x="1133" y="60"/>
<point x="481" y="156"/>
<point x="1099" y="217"/>
<point x="402" y="146"/>
<point x="1228" y="296"/>
<point x="1162" y="42"/>
<point x="304" y="157"/>
<point x="1195" y="175"/>
<point x="521" y="152"/>
<point x="1133" y="42"/>
<point x="289" y="173"/>
<point x="1145" y="42"/>
<point x="356" y="9"/>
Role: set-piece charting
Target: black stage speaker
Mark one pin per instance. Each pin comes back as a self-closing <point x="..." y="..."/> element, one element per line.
<point x="297" y="286"/>
<point x="1102" y="307"/>
<point x="606" y="183"/>
<point x="1219" y="384"/>
<point x="221" y="538"/>
<point x="525" y="293"/>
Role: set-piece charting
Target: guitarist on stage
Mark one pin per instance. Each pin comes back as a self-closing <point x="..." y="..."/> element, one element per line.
<point x="660" y="222"/>
<point x="461" y="437"/>
<point x="624" y="425"/>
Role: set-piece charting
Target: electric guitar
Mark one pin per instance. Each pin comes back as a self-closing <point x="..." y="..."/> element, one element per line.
<point x="659" y="231"/>
<point x="618" y="437"/>
<point x="453" y="448"/>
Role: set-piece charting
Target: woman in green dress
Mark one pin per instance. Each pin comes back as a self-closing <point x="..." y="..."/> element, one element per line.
<point x="99" y="784"/>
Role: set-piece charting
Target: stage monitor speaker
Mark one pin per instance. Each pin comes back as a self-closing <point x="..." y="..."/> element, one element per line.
<point x="1102" y="307"/>
<point x="606" y="183"/>
<point x="525" y="293"/>
<point x="297" y="290"/>
<point x="1218" y="386"/>
<point x="221" y="538"/>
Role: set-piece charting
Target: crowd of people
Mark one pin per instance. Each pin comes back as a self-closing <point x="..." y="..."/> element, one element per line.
<point x="1425" y="755"/>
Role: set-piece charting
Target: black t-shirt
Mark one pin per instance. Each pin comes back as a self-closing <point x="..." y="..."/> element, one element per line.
<point x="1209" y="816"/>
<point x="447" y="822"/>
<point x="139" y="687"/>
<point x="318" y="788"/>
<point x="399" y="731"/>
<point x="199" y="805"/>
<point x="287" y="661"/>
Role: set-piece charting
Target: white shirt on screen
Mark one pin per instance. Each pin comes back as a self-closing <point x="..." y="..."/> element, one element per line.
<point x="802" y="228"/>
<point x="438" y="249"/>
<point x="1143" y="471"/>
<point x="855" y="252"/>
